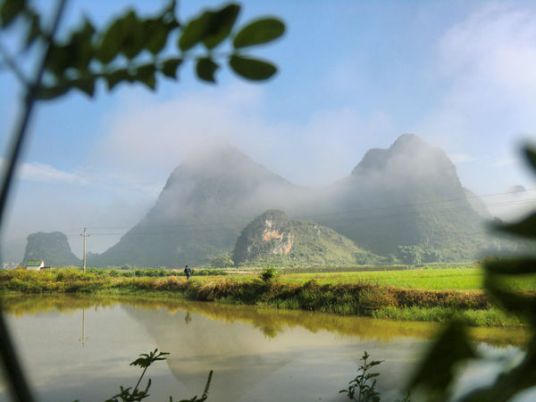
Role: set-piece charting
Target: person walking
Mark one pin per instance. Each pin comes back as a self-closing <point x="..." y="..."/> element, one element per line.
<point x="187" y="272"/>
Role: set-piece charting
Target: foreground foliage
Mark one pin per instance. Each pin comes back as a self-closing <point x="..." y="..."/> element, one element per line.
<point x="363" y="387"/>
<point x="437" y="373"/>
<point x="136" y="394"/>
<point x="130" y="49"/>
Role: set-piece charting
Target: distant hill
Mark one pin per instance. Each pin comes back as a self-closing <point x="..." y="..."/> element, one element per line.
<point x="204" y="205"/>
<point x="273" y="239"/>
<point x="405" y="202"/>
<point x="405" y="197"/>
<point x="52" y="247"/>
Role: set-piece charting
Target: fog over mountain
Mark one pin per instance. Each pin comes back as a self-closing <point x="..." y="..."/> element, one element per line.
<point x="407" y="195"/>
<point x="204" y="205"/>
<point x="400" y="200"/>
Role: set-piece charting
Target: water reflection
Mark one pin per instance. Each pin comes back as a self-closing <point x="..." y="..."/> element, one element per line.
<point x="270" y="321"/>
<point x="257" y="354"/>
<point x="83" y="337"/>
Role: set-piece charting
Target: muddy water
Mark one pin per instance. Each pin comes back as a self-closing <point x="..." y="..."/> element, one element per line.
<point x="80" y="347"/>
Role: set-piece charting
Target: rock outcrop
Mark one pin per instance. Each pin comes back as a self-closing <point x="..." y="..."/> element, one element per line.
<point x="273" y="239"/>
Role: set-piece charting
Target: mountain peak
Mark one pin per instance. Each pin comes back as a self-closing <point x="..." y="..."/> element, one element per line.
<point x="409" y="140"/>
<point x="216" y="153"/>
<point x="409" y="147"/>
<point x="222" y="162"/>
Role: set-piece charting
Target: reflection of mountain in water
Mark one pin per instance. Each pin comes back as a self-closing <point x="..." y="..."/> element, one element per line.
<point x="258" y="355"/>
<point x="198" y="344"/>
<point x="252" y="364"/>
<point x="264" y="355"/>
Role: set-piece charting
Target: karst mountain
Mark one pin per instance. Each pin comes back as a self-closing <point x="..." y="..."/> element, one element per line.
<point x="405" y="203"/>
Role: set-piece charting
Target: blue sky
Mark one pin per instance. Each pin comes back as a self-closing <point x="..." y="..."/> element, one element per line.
<point x="353" y="75"/>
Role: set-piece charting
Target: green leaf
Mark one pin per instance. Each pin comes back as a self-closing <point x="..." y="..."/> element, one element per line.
<point x="516" y="266"/>
<point x="52" y="92"/>
<point x="259" y="32"/>
<point x="530" y="156"/>
<point x="252" y="69"/>
<point x="211" y="27"/>
<point x="170" y="66"/>
<point x="86" y="85"/>
<point x="146" y="75"/>
<point x="59" y="59"/>
<point x="437" y="370"/>
<point x="110" y="44"/>
<point x="10" y="10"/>
<point x="206" y="68"/>
<point x="525" y="228"/>
<point x="115" y="77"/>
<point x="76" y="53"/>
<point x="194" y="31"/>
<point x="80" y="46"/>
<point x="220" y="25"/>
<point x="133" y="40"/>
<point x="156" y="33"/>
<point x="517" y="303"/>
<point x="124" y="35"/>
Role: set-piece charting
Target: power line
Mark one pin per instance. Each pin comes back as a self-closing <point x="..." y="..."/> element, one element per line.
<point x="350" y="210"/>
<point x="175" y="228"/>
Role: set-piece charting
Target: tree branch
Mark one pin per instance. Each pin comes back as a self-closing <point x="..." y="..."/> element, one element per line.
<point x="18" y="385"/>
<point x="13" y="66"/>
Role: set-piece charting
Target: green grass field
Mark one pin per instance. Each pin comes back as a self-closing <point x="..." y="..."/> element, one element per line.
<point x="424" y="294"/>
<point x="468" y="278"/>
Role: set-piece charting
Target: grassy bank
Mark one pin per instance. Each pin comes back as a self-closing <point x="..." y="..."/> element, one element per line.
<point x="355" y="293"/>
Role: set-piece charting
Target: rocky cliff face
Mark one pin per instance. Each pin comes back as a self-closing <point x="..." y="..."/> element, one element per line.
<point x="273" y="239"/>
<point x="53" y="248"/>
<point x="267" y="235"/>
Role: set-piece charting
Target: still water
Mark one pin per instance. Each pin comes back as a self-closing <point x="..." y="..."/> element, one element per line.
<point x="80" y="347"/>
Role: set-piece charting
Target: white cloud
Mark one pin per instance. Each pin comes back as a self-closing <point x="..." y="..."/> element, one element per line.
<point x="45" y="173"/>
<point x="487" y="68"/>
<point x="147" y="138"/>
<point x="460" y="157"/>
<point x="488" y="62"/>
<point x="40" y="172"/>
<point x="512" y="204"/>
<point x="505" y="161"/>
<point x="495" y="44"/>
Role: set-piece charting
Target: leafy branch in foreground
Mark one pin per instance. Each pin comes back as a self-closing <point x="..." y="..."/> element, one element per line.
<point x="136" y="49"/>
<point x="131" y="49"/>
<point x="136" y="394"/>
<point x="438" y="370"/>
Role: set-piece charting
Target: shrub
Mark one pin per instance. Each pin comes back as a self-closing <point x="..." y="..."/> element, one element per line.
<point x="374" y="298"/>
<point x="268" y="275"/>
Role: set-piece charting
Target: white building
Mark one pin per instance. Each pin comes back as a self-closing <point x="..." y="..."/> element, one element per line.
<point x="35" y="265"/>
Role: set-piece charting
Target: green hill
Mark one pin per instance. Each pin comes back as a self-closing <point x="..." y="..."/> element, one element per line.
<point x="273" y="239"/>
<point x="52" y="247"/>
<point x="405" y="202"/>
<point x="204" y="205"/>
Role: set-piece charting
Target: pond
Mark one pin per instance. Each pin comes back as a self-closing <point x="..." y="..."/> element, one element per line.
<point x="81" y="347"/>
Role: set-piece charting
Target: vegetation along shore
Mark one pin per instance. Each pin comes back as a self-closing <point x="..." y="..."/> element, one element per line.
<point x="419" y="294"/>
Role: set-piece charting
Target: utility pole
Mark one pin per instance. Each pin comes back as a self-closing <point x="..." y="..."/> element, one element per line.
<point x="84" y="235"/>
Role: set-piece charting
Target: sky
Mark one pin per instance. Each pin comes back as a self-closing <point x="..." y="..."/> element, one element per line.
<point x="352" y="76"/>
